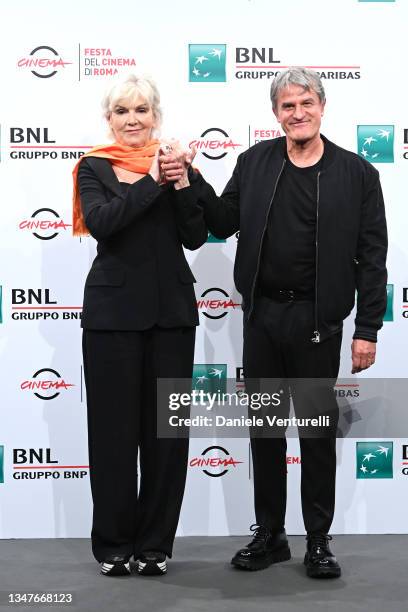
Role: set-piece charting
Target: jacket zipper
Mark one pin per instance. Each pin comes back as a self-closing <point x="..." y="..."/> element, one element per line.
<point x="316" y="334"/>
<point x="262" y="239"/>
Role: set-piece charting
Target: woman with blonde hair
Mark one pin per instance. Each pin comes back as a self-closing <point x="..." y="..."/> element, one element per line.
<point x="139" y="319"/>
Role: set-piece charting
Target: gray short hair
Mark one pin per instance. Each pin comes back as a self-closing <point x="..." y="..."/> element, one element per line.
<point x="129" y="89"/>
<point x="306" y="78"/>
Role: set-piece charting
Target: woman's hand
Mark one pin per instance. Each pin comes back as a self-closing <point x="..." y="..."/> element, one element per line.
<point x="175" y="163"/>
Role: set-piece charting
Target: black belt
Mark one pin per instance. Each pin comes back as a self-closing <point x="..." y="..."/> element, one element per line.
<point x="287" y="295"/>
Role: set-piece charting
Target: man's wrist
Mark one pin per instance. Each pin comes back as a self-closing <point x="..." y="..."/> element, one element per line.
<point x="182" y="183"/>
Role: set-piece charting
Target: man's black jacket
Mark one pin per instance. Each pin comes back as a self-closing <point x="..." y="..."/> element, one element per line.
<point x="351" y="233"/>
<point x="140" y="276"/>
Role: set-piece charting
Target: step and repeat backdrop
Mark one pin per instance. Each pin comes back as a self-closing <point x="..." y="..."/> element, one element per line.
<point x="213" y="63"/>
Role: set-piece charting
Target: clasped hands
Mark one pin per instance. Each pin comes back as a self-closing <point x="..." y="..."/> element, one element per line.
<point x="171" y="164"/>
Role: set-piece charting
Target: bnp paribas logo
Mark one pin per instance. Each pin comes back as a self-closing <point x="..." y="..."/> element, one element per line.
<point x="207" y="63"/>
<point x="210" y="377"/>
<point x="389" y="313"/>
<point x="374" y="459"/>
<point x="1" y="464"/>
<point x="376" y="143"/>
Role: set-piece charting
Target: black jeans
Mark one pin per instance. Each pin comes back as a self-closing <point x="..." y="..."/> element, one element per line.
<point x="277" y="345"/>
<point x="121" y="369"/>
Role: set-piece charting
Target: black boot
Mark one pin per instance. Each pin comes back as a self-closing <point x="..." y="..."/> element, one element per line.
<point x="319" y="559"/>
<point x="266" y="548"/>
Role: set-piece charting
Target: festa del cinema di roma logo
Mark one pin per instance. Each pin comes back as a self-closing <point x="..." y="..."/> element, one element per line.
<point x="207" y="63"/>
<point x="43" y="61"/>
<point x="214" y="143"/>
<point x="46" y="384"/>
<point x="214" y="461"/>
<point x="374" y="460"/>
<point x="376" y="143"/>
<point x="215" y="303"/>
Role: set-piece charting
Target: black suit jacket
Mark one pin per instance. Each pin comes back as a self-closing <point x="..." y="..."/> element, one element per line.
<point x="140" y="276"/>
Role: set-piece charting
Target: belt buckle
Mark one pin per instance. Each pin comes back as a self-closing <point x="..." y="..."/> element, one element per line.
<point x="288" y="295"/>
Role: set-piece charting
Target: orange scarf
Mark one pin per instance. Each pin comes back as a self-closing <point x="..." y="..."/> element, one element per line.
<point x="136" y="160"/>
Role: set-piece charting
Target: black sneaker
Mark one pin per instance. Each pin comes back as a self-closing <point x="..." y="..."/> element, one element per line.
<point x="152" y="563"/>
<point x="116" y="566"/>
<point x="319" y="559"/>
<point x="266" y="548"/>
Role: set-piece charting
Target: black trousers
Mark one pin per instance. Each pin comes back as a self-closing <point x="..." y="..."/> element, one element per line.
<point x="277" y="345"/>
<point x="121" y="369"/>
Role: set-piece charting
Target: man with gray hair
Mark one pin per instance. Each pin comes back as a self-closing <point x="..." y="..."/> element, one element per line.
<point x="312" y="232"/>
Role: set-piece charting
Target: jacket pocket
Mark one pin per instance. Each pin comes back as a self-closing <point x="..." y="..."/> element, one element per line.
<point x="186" y="276"/>
<point x="106" y="278"/>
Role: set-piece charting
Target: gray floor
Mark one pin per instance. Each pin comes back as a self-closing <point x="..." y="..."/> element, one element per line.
<point x="200" y="579"/>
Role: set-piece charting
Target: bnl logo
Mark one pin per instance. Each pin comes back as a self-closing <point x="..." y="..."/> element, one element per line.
<point x="210" y="378"/>
<point x="376" y="143"/>
<point x="374" y="460"/>
<point x="389" y="313"/>
<point x="1" y="464"/>
<point x="207" y="63"/>
<point x="212" y="238"/>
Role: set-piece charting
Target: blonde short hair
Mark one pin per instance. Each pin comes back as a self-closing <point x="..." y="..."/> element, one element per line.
<point x="129" y="89"/>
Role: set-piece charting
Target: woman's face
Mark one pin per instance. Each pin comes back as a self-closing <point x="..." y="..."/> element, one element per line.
<point x="132" y="123"/>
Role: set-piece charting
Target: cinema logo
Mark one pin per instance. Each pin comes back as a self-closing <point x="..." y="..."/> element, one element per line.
<point x="43" y="62"/>
<point x="40" y="464"/>
<point x="263" y="63"/>
<point x="39" y="305"/>
<point x="214" y="143"/>
<point x="215" y="303"/>
<point x="44" y="224"/>
<point x="214" y="465"/>
<point x="97" y="62"/>
<point x="46" y="384"/>
<point x="293" y="460"/>
<point x="405" y="147"/>
<point x="35" y="143"/>
<point x="260" y="134"/>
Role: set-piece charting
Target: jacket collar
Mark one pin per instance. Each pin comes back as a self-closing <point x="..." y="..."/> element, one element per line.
<point x="104" y="171"/>
<point x="330" y="150"/>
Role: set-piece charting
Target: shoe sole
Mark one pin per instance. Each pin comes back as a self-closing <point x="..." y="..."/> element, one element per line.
<point x="151" y="568"/>
<point x="322" y="572"/>
<point x="115" y="569"/>
<point x="252" y="566"/>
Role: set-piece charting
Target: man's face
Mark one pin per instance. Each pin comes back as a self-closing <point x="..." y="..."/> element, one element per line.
<point x="299" y="111"/>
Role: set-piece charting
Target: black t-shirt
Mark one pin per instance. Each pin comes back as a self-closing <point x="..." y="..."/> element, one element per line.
<point x="288" y="252"/>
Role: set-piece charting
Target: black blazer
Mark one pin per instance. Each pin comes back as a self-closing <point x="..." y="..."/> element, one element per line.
<point x="140" y="276"/>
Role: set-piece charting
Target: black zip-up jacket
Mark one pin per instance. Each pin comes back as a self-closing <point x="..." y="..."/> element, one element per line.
<point x="351" y="232"/>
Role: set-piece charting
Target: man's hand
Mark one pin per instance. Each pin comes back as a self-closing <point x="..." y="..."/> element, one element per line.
<point x="362" y="355"/>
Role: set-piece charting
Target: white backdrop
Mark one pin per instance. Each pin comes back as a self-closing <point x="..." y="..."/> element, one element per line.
<point x="49" y="119"/>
